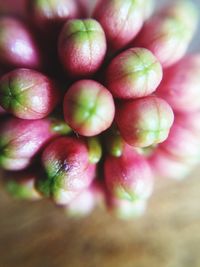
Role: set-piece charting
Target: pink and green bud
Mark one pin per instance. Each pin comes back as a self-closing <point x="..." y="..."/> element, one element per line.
<point x="52" y="14"/>
<point x="184" y="10"/>
<point x="21" y="141"/>
<point x="181" y="83"/>
<point x="88" y="108"/>
<point x="128" y="177"/>
<point x="182" y="144"/>
<point x="169" y="33"/>
<point x="94" y="149"/>
<point x="166" y="165"/>
<point x="121" y="20"/>
<point x="82" y="47"/>
<point x="21" y="185"/>
<point x="18" y="48"/>
<point x="134" y="73"/>
<point x="66" y="162"/>
<point x="145" y="122"/>
<point x="28" y="94"/>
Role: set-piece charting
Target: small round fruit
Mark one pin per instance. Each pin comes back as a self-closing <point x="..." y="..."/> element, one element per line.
<point x="121" y="20"/>
<point x="181" y="83"/>
<point x="66" y="162"/>
<point x="128" y="177"/>
<point x="28" y="94"/>
<point x="88" y="108"/>
<point x="169" y="33"/>
<point x="134" y="73"/>
<point x="183" y="144"/>
<point x="21" y="140"/>
<point x="82" y="47"/>
<point x="52" y="13"/>
<point x="145" y="122"/>
<point x="18" y="48"/>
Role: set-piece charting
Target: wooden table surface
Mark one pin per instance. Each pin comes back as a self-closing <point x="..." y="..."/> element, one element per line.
<point x="40" y="235"/>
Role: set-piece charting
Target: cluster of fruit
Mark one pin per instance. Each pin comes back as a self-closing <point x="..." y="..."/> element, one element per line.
<point x="98" y="102"/>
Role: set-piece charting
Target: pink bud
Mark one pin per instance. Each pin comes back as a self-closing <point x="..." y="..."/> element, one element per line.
<point x="182" y="144"/>
<point x="18" y="47"/>
<point x="144" y="122"/>
<point x="21" y="140"/>
<point x="82" y="47"/>
<point x="168" y="33"/>
<point x="121" y="20"/>
<point x="181" y="83"/>
<point x="88" y="107"/>
<point x="134" y="73"/>
<point x="28" y="94"/>
<point x="66" y="161"/>
<point x="128" y="177"/>
<point x="51" y="15"/>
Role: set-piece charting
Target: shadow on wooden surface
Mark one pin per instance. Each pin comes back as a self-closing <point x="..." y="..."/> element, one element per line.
<point x="39" y="234"/>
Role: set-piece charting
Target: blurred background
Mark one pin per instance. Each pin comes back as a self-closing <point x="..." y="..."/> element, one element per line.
<point x="40" y="235"/>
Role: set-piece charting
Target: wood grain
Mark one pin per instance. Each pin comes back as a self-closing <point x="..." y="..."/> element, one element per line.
<point x="39" y="234"/>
